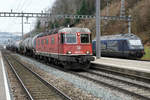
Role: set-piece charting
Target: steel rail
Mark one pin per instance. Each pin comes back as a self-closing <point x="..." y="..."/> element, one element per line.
<point x="118" y="79"/>
<point x="63" y="95"/>
<point x="125" y="82"/>
<point x="66" y="97"/>
<point x="22" y="84"/>
<point x="112" y="86"/>
<point x="109" y="70"/>
<point x="105" y="84"/>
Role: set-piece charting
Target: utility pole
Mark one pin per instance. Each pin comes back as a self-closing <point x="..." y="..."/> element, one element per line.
<point x="27" y="22"/>
<point x="98" y="30"/>
<point x="22" y="27"/>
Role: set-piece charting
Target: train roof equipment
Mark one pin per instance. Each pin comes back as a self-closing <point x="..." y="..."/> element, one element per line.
<point x="65" y="30"/>
<point x="74" y="30"/>
<point x="126" y="36"/>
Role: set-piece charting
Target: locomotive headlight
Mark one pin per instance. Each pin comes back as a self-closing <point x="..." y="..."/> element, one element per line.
<point x="69" y="52"/>
<point x="87" y="52"/>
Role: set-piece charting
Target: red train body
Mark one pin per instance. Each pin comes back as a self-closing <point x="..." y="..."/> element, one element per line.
<point x="68" y="46"/>
<point x="52" y="44"/>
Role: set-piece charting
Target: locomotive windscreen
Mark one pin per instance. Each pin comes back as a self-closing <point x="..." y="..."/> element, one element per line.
<point x="85" y="38"/>
<point x="71" y="38"/>
<point x="135" y="42"/>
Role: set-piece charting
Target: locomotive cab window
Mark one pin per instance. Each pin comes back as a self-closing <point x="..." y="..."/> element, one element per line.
<point x="62" y="38"/>
<point x="71" y="38"/>
<point x="85" y="38"/>
<point x="135" y="42"/>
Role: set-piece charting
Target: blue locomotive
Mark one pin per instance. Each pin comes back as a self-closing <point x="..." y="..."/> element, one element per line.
<point x="120" y="45"/>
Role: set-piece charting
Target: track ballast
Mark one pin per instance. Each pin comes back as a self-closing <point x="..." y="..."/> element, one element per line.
<point x="36" y="87"/>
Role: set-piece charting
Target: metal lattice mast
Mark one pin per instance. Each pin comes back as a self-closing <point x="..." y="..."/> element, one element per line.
<point x="122" y="9"/>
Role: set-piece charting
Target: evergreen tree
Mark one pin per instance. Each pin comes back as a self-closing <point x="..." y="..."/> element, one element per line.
<point x="84" y="9"/>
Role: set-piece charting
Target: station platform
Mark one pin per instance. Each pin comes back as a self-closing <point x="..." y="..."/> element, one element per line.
<point x="4" y="88"/>
<point x="134" y="66"/>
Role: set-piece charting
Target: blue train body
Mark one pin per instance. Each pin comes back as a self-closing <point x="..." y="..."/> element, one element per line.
<point x="122" y="45"/>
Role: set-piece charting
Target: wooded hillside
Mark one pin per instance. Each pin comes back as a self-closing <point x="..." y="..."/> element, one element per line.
<point x="138" y="9"/>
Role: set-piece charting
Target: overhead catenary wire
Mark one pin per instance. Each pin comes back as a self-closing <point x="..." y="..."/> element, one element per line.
<point x="21" y="5"/>
<point x="13" y="21"/>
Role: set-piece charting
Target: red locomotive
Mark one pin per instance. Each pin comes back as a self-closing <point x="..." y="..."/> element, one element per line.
<point x="70" y="47"/>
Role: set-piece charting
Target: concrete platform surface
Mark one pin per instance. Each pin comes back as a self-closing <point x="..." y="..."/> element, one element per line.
<point x="4" y="89"/>
<point x="142" y="66"/>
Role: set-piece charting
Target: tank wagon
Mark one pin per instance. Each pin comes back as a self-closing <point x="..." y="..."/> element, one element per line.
<point x="13" y="46"/>
<point x="70" y="47"/>
<point x="121" y="45"/>
<point x="17" y="46"/>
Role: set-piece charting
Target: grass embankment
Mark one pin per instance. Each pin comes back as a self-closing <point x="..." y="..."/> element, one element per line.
<point x="147" y="53"/>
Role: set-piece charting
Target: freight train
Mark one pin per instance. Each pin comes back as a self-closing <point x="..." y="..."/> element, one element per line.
<point x="69" y="47"/>
<point x="120" y="45"/>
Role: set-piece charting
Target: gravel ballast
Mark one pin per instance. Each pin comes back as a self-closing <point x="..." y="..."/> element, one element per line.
<point x="16" y="89"/>
<point x="60" y="83"/>
<point x="74" y="86"/>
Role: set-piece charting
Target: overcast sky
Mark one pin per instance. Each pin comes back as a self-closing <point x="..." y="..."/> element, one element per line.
<point x="14" y="24"/>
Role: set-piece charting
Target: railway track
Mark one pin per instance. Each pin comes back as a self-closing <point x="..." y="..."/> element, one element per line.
<point x="126" y="85"/>
<point x="129" y="84"/>
<point x="136" y="86"/>
<point x="35" y="87"/>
